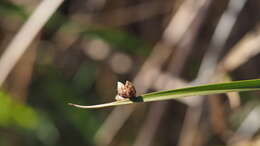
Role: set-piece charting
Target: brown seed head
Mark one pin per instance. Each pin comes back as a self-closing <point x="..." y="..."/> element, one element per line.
<point x="127" y="90"/>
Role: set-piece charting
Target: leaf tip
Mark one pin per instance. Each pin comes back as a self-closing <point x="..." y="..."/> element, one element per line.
<point x="71" y="104"/>
<point x="76" y="105"/>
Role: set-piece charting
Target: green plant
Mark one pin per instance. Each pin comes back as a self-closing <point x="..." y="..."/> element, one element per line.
<point x="236" y="86"/>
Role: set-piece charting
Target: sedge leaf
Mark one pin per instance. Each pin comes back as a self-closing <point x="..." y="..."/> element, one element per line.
<point x="236" y="86"/>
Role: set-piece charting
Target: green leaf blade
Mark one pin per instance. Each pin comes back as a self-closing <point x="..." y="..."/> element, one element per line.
<point x="236" y="86"/>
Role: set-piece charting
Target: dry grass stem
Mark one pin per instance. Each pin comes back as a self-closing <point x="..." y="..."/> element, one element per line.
<point x="25" y="36"/>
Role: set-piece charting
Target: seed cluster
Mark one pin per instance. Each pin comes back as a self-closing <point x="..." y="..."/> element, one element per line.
<point x="125" y="91"/>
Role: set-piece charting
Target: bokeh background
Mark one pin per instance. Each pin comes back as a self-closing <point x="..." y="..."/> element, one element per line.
<point x="86" y="46"/>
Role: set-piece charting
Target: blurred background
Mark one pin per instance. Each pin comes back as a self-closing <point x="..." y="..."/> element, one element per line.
<point x="54" y="52"/>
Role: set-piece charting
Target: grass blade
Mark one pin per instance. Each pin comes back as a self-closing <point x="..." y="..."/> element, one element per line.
<point x="236" y="86"/>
